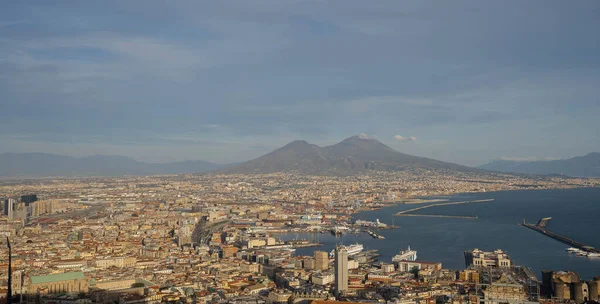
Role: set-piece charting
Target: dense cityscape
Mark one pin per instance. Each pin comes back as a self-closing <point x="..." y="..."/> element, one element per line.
<point x="210" y="238"/>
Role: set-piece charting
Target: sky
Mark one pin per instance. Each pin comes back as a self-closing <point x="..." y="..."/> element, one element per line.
<point x="227" y="81"/>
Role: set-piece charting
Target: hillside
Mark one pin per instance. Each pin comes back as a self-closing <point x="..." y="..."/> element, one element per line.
<point x="581" y="166"/>
<point x="353" y="154"/>
<point x="45" y="165"/>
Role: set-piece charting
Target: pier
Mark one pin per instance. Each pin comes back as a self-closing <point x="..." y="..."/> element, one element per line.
<point x="438" y="215"/>
<point x="408" y="211"/>
<point x="541" y="228"/>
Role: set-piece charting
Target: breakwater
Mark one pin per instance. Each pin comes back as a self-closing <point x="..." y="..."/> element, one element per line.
<point x="408" y="211"/>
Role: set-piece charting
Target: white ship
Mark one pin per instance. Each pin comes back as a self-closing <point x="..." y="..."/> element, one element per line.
<point x="351" y="249"/>
<point x="405" y="255"/>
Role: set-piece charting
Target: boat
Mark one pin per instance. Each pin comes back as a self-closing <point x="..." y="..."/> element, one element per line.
<point x="593" y="255"/>
<point x="339" y="230"/>
<point x="573" y="249"/>
<point x="405" y="255"/>
<point x="351" y="249"/>
<point x="375" y="234"/>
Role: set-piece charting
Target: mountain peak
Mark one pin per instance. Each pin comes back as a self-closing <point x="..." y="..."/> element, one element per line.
<point x="362" y="136"/>
<point x="297" y="144"/>
<point x="356" y="153"/>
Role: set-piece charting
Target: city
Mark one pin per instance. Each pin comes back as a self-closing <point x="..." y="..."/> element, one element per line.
<point x="299" y="152"/>
<point x="199" y="238"/>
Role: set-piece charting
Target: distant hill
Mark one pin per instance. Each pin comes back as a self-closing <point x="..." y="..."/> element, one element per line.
<point x="581" y="166"/>
<point x="44" y="165"/>
<point x="357" y="153"/>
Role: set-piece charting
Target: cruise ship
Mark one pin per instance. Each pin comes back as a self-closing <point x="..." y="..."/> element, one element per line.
<point x="351" y="249"/>
<point x="405" y="255"/>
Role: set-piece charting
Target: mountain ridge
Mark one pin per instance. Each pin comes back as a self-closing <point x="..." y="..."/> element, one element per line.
<point x="37" y="164"/>
<point x="353" y="154"/>
<point x="580" y="166"/>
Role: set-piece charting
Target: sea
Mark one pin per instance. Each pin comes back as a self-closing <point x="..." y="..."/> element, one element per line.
<point x="575" y="213"/>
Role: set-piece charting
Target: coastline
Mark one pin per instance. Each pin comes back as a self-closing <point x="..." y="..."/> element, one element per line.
<point x="445" y="240"/>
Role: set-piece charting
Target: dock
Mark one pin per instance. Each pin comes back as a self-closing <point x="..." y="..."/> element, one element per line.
<point x="438" y="215"/>
<point x="408" y="211"/>
<point x="541" y="228"/>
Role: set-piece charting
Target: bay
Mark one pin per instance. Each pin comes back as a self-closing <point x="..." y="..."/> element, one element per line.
<point x="575" y="213"/>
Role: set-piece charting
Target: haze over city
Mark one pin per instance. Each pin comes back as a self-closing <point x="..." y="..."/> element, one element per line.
<point x="459" y="81"/>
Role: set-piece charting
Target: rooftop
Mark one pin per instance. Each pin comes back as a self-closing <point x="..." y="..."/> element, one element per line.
<point x="67" y="276"/>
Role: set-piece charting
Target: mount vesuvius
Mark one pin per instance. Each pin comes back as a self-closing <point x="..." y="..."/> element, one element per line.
<point x="355" y="154"/>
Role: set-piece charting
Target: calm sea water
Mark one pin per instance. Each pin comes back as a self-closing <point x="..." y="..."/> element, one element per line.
<point x="575" y="213"/>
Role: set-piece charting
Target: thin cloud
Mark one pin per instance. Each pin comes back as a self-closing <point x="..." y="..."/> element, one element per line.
<point x="401" y="138"/>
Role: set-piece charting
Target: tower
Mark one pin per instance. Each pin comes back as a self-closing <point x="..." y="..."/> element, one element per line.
<point x="9" y="207"/>
<point x="341" y="269"/>
<point x="321" y="260"/>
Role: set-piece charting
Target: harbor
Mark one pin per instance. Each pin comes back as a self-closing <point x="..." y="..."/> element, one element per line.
<point x="495" y="228"/>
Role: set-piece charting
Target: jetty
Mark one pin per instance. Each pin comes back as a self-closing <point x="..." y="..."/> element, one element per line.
<point x="408" y="211"/>
<point x="439" y="215"/>
<point x="541" y="228"/>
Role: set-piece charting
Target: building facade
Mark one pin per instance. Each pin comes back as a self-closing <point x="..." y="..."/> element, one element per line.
<point x="480" y="258"/>
<point x="68" y="282"/>
<point x="321" y="260"/>
<point x="341" y="270"/>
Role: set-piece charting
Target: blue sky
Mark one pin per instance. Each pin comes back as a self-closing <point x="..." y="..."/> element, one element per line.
<point x="224" y="81"/>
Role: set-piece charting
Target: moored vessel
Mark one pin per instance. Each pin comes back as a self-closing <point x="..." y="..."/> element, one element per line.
<point x="405" y="255"/>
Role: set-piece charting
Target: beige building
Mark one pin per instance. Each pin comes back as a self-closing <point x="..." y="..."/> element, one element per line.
<point x="321" y="260"/>
<point x="504" y="290"/>
<point x="256" y="243"/>
<point x="480" y="258"/>
<point x="68" y="282"/>
<point x="469" y="275"/>
<point x="322" y="278"/>
<point x="119" y="262"/>
<point x="278" y="297"/>
<point x="406" y="266"/>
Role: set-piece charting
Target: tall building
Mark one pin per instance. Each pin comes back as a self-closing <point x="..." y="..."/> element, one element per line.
<point x="28" y="199"/>
<point x="341" y="269"/>
<point x="321" y="260"/>
<point x="9" y="206"/>
<point x="19" y="211"/>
